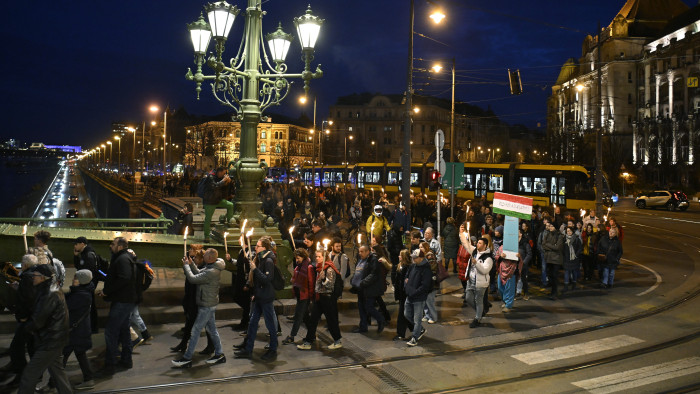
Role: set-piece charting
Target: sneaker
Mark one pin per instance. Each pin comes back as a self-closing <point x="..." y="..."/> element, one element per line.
<point x="526" y="297"/>
<point x="182" y="363"/>
<point x="424" y="319"/>
<point x="474" y="324"/>
<point x="422" y="332"/>
<point x="86" y="385"/>
<point x="269" y="355"/>
<point x="136" y="342"/>
<point x="150" y="338"/>
<point x="503" y="305"/>
<point x="304" y="346"/>
<point x="505" y="310"/>
<point x="241" y="354"/>
<point x="431" y="321"/>
<point x="335" y="345"/>
<point x="288" y="341"/>
<point x="398" y="338"/>
<point x="220" y="359"/>
<point x="412" y="342"/>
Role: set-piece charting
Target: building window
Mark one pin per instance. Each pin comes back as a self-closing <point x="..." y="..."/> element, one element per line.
<point x="263" y="148"/>
<point x="629" y="77"/>
<point x="278" y="148"/>
<point x="238" y="133"/>
<point x="263" y="134"/>
<point x="629" y="98"/>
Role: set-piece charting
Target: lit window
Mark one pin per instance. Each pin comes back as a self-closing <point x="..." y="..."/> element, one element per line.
<point x="263" y="148"/>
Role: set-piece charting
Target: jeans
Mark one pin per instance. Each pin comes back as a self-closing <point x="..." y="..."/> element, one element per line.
<point x="544" y="269"/>
<point x="523" y="286"/>
<point x="209" y="212"/>
<point x="50" y="359"/>
<point x="301" y="313"/>
<point x="474" y="296"/>
<point x="117" y="331"/>
<point x="507" y="291"/>
<point x="137" y="321"/>
<point x="403" y="322"/>
<point x="267" y="311"/>
<point x="328" y="306"/>
<point x="608" y="275"/>
<point x="206" y="318"/>
<point x="430" y="309"/>
<point x="414" y="311"/>
<point x="570" y="276"/>
<point x="366" y="308"/>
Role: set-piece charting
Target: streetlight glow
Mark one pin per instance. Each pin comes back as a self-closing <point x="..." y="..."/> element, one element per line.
<point x="303" y="99"/>
<point x="153" y="108"/>
<point x="437" y="17"/>
<point x="579" y="87"/>
<point x="437" y="68"/>
<point x="416" y="109"/>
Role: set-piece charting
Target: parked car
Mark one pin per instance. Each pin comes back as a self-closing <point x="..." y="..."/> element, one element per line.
<point x="72" y="198"/>
<point x="72" y="213"/>
<point x="663" y="198"/>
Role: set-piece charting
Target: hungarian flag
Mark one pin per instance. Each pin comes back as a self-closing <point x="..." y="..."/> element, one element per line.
<point x="512" y="205"/>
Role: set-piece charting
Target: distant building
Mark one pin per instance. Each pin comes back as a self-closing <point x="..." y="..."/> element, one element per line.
<point x="649" y="55"/>
<point x="216" y="143"/>
<point x="37" y="146"/>
<point x="65" y="148"/>
<point x="371" y="126"/>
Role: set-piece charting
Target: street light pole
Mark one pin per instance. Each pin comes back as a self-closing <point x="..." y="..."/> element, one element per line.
<point x="119" y="159"/>
<point x="246" y="87"/>
<point x="406" y="162"/>
<point x="598" y="139"/>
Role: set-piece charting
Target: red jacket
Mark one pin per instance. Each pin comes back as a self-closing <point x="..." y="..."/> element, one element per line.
<point x="462" y="263"/>
<point x="304" y="279"/>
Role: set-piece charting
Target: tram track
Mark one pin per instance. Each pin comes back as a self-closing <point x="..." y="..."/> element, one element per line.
<point x="469" y="350"/>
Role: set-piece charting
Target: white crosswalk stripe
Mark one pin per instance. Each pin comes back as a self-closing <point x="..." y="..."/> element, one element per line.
<point x="628" y="380"/>
<point x="580" y="349"/>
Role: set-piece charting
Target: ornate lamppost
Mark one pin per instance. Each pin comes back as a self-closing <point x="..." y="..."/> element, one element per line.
<point x="246" y="86"/>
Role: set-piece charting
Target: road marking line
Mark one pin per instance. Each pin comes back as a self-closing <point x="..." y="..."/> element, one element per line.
<point x="666" y="231"/>
<point x="663" y="250"/>
<point x="570" y="351"/>
<point x="658" y="277"/>
<point x="640" y="377"/>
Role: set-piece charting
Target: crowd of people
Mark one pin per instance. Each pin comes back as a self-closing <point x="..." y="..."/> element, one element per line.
<point x="389" y="251"/>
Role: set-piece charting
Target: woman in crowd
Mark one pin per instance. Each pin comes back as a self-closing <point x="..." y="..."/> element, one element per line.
<point x="303" y="283"/>
<point x="402" y="322"/>
<point x="609" y="253"/>
<point x="588" y="252"/>
<point x="431" y="314"/>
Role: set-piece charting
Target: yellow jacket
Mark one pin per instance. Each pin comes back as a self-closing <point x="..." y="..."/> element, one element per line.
<point x="380" y="224"/>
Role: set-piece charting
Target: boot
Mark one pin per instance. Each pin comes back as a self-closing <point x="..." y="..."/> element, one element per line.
<point x="565" y="289"/>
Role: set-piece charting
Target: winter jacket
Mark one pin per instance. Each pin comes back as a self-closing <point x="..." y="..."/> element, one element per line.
<point x="451" y="236"/>
<point x="480" y="263"/>
<point x="49" y="321"/>
<point x="399" y="281"/>
<point x="419" y="282"/>
<point x="525" y="250"/>
<point x="207" y="281"/>
<point x="380" y="224"/>
<point x="573" y="262"/>
<point x="78" y="301"/>
<point x="436" y="248"/>
<point x="372" y="279"/>
<point x="463" y="258"/>
<point x="26" y="295"/>
<point x="402" y="219"/>
<point x="303" y="280"/>
<point x="612" y="249"/>
<point x="264" y="271"/>
<point x="326" y="284"/>
<point x="120" y="285"/>
<point x="552" y="245"/>
<point x="87" y="260"/>
<point x="215" y="190"/>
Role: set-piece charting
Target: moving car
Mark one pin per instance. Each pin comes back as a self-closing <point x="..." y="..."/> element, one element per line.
<point x="47" y="214"/>
<point x="72" y="185"/>
<point x="72" y="198"/>
<point x="662" y="198"/>
<point x="51" y="202"/>
<point x="72" y="213"/>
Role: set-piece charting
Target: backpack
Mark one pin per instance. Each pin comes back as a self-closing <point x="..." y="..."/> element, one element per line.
<point x="143" y="277"/>
<point x="277" y="279"/>
<point x="58" y="268"/>
<point x="202" y="186"/>
<point x="101" y="267"/>
<point x="338" y="286"/>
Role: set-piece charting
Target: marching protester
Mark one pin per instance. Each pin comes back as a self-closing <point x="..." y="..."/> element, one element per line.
<point x="402" y="321"/>
<point x="572" y="258"/>
<point x="207" y="281"/>
<point x="85" y="257"/>
<point x="552" y="245"/>
<point x="417" y="285"/>
<point x="609" y="254"/>
<point x="79" y="302"/>
<point x="303" y="283"/>
<point x="367" y="284"/>
<point x="477" y="274"/>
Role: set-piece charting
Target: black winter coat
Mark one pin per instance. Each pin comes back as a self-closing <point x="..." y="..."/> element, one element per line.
<point x="215" y="190"/>
<point x="612" y="249"/>
<point x="26" y="295"/>
<point x="49" y="321"/>
<point x="420" y="281"/>
<point x="399" y="280"/>
<point x="120" y="285"/>
<point x="372" y="278"/>
<point x="240" y="295"/>
<point x="79" y="300"/>
<point x="87" y="260"/>
<point x="262" y="278"/>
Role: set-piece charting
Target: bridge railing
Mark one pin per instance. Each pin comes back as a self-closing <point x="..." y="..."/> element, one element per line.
<point x="159" y="225"/>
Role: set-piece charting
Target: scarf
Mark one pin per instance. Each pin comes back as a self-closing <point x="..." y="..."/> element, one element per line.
<point x="328" y="263"/>
<point x="570" y="242"/>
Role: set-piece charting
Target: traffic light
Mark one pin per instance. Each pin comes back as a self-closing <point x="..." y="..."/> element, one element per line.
<point x="434" y="183"/>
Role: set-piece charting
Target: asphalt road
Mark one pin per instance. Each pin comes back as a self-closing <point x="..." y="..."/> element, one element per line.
<point x="641" y="336"/>
<point x="57" y="201"/>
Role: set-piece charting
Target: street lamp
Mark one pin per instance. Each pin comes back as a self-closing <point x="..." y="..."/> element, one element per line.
<point x="119" y="159"/>
<point x="104" y="156"/>
<point x="110" y="155"/>
<point x="133" y="151"/>
<point x="246" y="86"/>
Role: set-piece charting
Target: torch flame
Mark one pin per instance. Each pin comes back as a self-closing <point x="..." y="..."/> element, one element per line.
<point x="24" y="230"/>
<point x="325" y="243"/>
<point x="245" y="221"/>
<point x="291" y="229"/>
<point x="359" y="238"/>
<point x="318" y="246"/>
<point x="250" y="232"/>
<point x="225" y="234"/>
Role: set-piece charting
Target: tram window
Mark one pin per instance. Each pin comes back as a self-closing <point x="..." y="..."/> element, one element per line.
<point x="338" y="176"/>
<point x="525" y="184"/>
<point x="360" y="179"/>
<point x="540" y="185"/>
<point x="393" y="178"/>
<point x="468" y="181"/>
<point x="372" y="177"/>
<point x="481" y="182"/>
<point x="558" y="190"/>
<point x="496" y="182"/>
<point x="414" y="179"/>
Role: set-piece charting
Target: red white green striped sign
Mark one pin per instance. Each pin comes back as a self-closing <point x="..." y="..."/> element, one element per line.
<point x="512" y="205"/>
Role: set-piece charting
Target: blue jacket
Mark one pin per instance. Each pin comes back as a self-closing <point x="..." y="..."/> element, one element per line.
<point x="420" y="281"/>
<point x="262" y="278"/>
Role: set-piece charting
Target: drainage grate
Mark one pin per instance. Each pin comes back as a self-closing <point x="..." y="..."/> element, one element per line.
<point x="392" y="379"/>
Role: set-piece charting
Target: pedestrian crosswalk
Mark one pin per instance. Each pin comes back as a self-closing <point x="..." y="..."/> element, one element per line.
<point x="628" y="380"/>
<point x="579" y="349"/>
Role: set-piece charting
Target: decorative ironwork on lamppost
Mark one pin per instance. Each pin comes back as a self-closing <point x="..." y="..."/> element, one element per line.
<point x="247" y="86"/>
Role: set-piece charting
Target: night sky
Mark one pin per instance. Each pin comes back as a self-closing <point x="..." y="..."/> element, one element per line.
<point x="70" y="68"/>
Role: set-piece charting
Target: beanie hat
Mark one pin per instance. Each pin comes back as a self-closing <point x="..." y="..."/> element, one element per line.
<point x="83" y="276"/>
<point x="44" y="269"/>
<point x="499" y="230"/>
